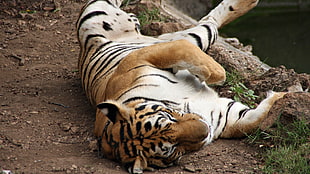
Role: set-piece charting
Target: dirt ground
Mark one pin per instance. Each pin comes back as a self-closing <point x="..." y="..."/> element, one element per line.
<point x="46" y="122"/>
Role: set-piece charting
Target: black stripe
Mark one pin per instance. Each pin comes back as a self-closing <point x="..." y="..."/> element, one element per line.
<point x="242" y="113"/>
<point x="212" y="117"/>
<point x="153" y="147"/>
<point x="90" y="3"/>
<point x="106" y="62"/>
<point x="121" y="50"/>
<point x="148" y="126"/>
<point x="165" y="102"/>
<point x="140" y="108"/>
<point x="209" y="35"/>
<point x="163" y="138"/>
<point x="229" y="106"/>
<point x="160" y="145"/>
<point x="219" y="121"/>
<point x="101" y="46"/>
<point x="159" y="75"/>
<point x="147" y="114"/>
<point x="110" y="3"/>
<point x="197" y="38"/>
<point x="91" y="69"/>
<point x="83" y="57"/>
<point x="106" y="54"/>
<point x="129" y="132"/>
<point x="108" y="71"/>
<point x="134" y="149"/>
<point x="106" y="26"/>
<point x="145" y="149"/>
<point x="102" y="67"/>
<point x="90" y="36"/>
<point x="155" y="107"/>
<point x="137" y="86"/>
<point x="140" y="66"/>
<point x="90" y="15"/>
<point x="186" y="107"/>
<point x="138" y="126"/>
<point x="121" y="132"/>
<point x="99" y="50"/>
<point x="157" y="125"/>
<point x="105" y="129"/>
<point x="126" y="149"/>
<point x="94" y="55"/>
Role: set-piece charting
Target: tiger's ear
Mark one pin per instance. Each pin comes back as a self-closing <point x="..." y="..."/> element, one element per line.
<point x="113" y="111"/>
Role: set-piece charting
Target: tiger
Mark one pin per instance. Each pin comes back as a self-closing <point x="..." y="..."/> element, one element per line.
<point x="152" y="95"/>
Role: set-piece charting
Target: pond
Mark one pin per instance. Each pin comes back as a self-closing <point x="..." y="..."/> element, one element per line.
<point x="278" y="38"/>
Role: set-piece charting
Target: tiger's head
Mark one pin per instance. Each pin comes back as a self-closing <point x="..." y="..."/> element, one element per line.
<point x="142" y="136"/>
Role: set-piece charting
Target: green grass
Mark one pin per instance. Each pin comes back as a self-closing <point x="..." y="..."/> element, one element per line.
<point x="287" y="159"/>
<point x="150" y="15"/>
<point x="242" y="93"/>
<point x="125" y="3"/>
<point x="287" y="148"/>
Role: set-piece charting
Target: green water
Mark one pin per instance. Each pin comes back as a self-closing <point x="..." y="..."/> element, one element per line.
<point x="278" y="38"/>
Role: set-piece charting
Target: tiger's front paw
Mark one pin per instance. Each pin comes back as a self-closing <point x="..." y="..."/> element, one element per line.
<point x="213" y="72"/>
<point x="214" y="75"/>
<point x="201" y="72"/>
<point x="218" y="77"/>
<point x="210" y="76"/>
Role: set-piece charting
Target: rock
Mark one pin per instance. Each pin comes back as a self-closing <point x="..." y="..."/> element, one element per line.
<point x="237" y="59"/>
<point x="189" y="168"/>
<point x="74" y="129"/>
<point x="74" y="167"/>
<point x="279" y="79"/>
<point x="158" y="28"/>
<point x="93" y="146"/>
<point x="65" y="126"/>
<point x="39" y="27"/>
<point x="26" y="16"/>
<point x="292" y="107"/>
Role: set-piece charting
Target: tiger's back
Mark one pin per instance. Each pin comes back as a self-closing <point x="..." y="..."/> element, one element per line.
<point x="153" y="101"/>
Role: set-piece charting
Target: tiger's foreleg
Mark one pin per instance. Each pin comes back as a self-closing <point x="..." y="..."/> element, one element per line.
<point x="242" y="121"/>
<point x="177" y="55"/>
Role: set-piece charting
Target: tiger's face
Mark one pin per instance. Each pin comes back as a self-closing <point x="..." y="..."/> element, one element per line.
<point x="149" y="135"/>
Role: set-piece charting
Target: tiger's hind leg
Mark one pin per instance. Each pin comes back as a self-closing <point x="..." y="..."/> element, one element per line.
<point x="205" y="33"/>
<point x="229" y="10"/>
<point x="242" y="120"/>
